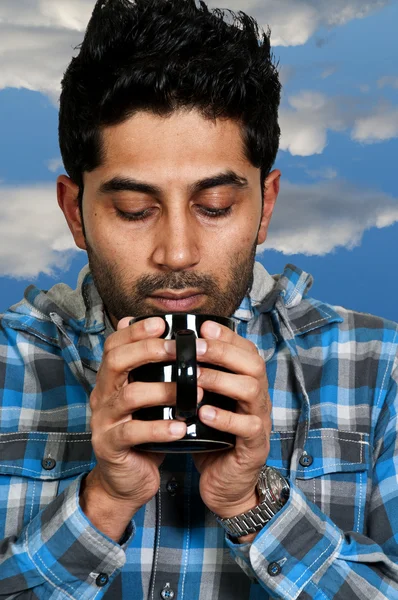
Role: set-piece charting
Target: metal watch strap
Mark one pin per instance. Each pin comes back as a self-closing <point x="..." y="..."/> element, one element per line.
<point x="254" y="519"/>
<point x="249" y="522"/>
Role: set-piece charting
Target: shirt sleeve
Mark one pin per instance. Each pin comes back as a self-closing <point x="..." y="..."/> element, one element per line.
<point x="60" y="554"/>
<point x="301" y="553"/>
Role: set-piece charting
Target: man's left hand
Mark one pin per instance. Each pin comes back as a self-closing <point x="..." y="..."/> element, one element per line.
<point x="228" y="478"/>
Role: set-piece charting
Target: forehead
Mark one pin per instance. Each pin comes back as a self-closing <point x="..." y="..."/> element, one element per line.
<point x="184" y="142"/>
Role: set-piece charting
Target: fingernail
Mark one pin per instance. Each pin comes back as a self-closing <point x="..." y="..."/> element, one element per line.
<point x="177" y="428"/>
<point x="170" y="346"/>
<point x="212" y="329"/>
<point x="208" y="413"/>
<point x="153" y="324"/>
<point x="201" y="346"/>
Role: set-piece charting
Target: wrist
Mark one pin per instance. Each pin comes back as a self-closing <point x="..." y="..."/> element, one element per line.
<point x="232" y="510"/>
<point x="273" y="492"/>
<point x="247" y="539"/>
<point x="108" y="514"/>
<point x="227" y="513"/>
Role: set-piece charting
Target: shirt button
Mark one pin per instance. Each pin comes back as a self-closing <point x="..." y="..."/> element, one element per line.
<point x="274" y="569"/>
<point x="172" y="487"/>
<point x="306" y="460"/>
<point x="167" y="593"/>
<point x="102" y="579"/>
<point x="48" y="463"/>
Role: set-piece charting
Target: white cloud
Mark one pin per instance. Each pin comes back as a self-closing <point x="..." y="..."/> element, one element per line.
<point x="309" y="115"/>
<point x="323" y="173"/>
<point x="65" y="14"/>
<point x="381" y="126"/>
<point x="318" y="218"/>
<point x="34" y="236"/>
<point x="388" y="80"/>
<point x="54" y="164"/>
<point x="364" y="87"/>
<point x="286" y="73"/>
<point x="328" y="71"/>
<point x="304" y="125"/>
<point x="293" y="23"/>
<point x="37" y="40"/>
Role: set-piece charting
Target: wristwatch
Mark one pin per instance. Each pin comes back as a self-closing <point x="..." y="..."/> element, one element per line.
<point x="274" y="491"/>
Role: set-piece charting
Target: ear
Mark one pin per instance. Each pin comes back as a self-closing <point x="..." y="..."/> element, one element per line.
<point x="67" y="195"/>
<point x="271" y="191"/>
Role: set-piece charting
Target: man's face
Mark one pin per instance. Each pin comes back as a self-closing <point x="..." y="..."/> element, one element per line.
<point x="181" y="246"/>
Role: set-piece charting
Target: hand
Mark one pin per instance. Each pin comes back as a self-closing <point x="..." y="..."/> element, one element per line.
<point x="228" y="479"/>
<point x="125" y="478"/>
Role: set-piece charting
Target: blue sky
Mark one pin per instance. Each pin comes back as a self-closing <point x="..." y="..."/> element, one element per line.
<point x="337" y="214"/>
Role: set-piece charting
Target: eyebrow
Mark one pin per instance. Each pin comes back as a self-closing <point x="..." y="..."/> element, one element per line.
<point x="121" y="184"/>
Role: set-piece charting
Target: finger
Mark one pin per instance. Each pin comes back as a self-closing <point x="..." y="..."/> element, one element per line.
<point x="133" y="432"/>
<point x="236" y="360"/>
<point x="213" y="330"/>
<point x="137" y="395"/>
<point x="120" y="360"/>
<point x="123" y="323"/>
<point x="141" y="394"/>
<point x="252" y="396"/>
<point x="250" y="430"/>
<point x="126" y="334"/>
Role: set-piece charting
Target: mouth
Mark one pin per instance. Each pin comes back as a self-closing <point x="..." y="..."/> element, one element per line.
<point x="178" y="302"/>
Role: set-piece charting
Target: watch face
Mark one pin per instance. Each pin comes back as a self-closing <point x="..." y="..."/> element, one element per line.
<point x="262" y="485"/>
<point x="274" y="479"/>
<point x="276" y="486"/>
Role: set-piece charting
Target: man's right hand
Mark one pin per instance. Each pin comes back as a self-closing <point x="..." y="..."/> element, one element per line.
<point x="125" y="479"/>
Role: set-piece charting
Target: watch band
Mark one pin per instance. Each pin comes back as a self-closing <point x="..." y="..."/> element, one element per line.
<point x="273" y="490"/>
<point x="249" y="522"/>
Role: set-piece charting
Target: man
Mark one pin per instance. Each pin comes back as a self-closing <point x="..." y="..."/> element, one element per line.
<point x="168" y="132"/>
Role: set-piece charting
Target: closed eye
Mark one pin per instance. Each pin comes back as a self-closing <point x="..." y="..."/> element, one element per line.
<point x="212" y="213"/>
<point x="216" y="212"/>
<point x="138" y="216"/>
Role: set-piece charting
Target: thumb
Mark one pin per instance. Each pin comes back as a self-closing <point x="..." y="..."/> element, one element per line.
<point x="124" y="323"/>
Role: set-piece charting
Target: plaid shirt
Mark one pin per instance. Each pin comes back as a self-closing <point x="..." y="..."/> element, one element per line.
<point x="333" y="376"/>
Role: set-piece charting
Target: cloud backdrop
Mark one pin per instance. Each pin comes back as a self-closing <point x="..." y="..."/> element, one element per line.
<point x="339" y="121"/>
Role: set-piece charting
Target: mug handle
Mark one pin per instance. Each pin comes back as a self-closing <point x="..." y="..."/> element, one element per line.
<point x="186" y="406"/>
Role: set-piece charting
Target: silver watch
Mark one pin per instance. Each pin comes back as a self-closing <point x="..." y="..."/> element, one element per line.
<point x="273" y="490"/>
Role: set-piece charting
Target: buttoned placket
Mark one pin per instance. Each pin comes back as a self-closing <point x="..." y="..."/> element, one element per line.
<point x="303" y="425"/>
<point x="164" y="582"/>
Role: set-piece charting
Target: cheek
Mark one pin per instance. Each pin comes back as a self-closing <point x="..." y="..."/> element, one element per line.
<point x="105" y="232"/>
<point x="128" y="252"/>
<point x="242" y="234"/>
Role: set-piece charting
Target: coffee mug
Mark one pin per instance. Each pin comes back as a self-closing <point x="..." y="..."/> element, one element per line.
<point x="184" y="328"/>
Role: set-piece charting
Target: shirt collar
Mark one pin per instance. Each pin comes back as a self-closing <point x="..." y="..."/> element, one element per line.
<point x="292" y="286"/>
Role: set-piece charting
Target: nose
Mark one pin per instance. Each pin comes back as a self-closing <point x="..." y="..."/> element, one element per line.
<point x="176" y="244"/>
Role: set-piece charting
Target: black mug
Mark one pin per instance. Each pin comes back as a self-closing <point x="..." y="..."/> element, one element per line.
<point x="184" y="328"/>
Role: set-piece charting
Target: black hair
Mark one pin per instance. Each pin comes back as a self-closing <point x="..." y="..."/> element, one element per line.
<point x="159" y="56"/>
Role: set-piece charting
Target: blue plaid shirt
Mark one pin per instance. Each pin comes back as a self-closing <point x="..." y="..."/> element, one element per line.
<point x="333" y="377"/>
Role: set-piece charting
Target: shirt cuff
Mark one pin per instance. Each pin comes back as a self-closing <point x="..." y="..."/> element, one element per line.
<point x="70" y="552"/>
<point x="294" y="548"/>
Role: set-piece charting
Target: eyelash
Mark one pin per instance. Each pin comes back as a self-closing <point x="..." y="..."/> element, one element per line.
<point x="141" y="216"/>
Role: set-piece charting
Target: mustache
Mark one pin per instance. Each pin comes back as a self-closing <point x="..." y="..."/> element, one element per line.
<point x="148" y="284"/>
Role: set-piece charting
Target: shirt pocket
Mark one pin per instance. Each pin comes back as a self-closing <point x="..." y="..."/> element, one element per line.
<point x="35" y="467"/>
<point x="333" y="474"/>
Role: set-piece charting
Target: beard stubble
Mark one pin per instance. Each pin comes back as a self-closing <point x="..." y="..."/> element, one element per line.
<point x="125" y="297"/>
